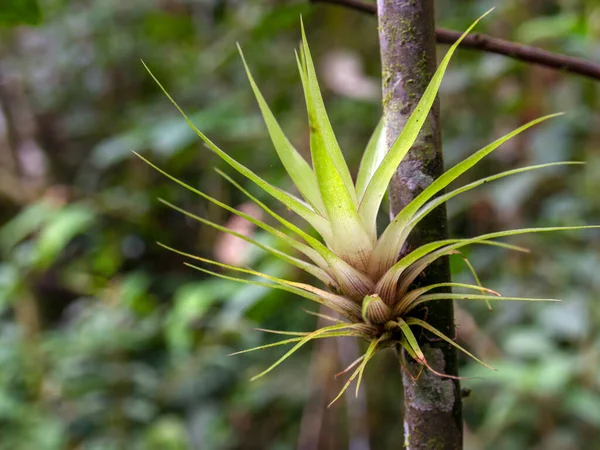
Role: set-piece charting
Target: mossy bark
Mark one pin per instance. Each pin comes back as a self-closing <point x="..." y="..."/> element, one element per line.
<point x="433" y="409"/>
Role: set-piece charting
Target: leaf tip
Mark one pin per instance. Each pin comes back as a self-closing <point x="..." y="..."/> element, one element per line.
<point x="303" y="30"/>
<point x="489" y="11"/>
<point x="240" y="51"/>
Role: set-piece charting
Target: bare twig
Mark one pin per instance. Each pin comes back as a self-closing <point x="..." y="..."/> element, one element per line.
<point x="490" y="44"/>
<point x="368" y="8"/>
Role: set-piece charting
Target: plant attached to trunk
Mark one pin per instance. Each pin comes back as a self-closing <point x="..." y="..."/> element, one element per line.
<point x="371" y="290"/>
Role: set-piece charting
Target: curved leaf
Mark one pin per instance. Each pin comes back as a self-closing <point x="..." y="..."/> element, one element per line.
<point x="351" y="281"/>
<point x="438" y="333"/>
<point x="292" y="340"/>
<point x="372" y="157"/>
<point x="410" y="297"/>
<point x="339" y="198"/>
<point x="394" y="236"/>
<point x="293" y="243"/>
<point x="346" y="309"/>
<point x="334" y="301"/>
<point x="303" y="341"/>
<point x="314" y="219"/>
<point x="378" y="185"/>
<point x="307" y="267"/>
<point x="447" y="296"/>
<point x="320" y="118"/>
<point x="295" y="165"/>
<point x="359" y="370"/>
<point x="395" y="272"/>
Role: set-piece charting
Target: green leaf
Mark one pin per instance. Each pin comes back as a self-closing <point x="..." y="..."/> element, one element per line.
<point x="324" y="316"/>
<point x="367" y="356"/>
<point x="375" y="191"/>
<point x="434" y="250"/>
<point x="416" y="351"/>
<point x="448" y="296"/>
<point x="319" y="117"/>
<point x="438" y="333"/>
<point x="412" y="341"/>
<point x="60" y="230"/>
<point x="317" y="246"/>
<point x="303" y="210"/>
<point x="313" y="270"/>
<point x="452" y="174"/>
<point x="336" y="303"/>
<point x="262" y="347"/>
<point x="27" y="221"/>
<point x="305" y="287"/>
<point x="426" y="249"/>
<point x="443" y="198"/>
<point x="20" y="12"/>
<point x="303" y="341"/>
<point x="388" y="285"/>
<point x="349" y="239"/>
<point x="295" y="165"/>
<point x="350" y="366"/>
<point x="292" y="340"/>
<point x="408" y="299"/>
<point x="394" y="236"/>
<point x="477" y="287"/>
<point x="372" y="157"/>
<point x="351" y="281"/>
<point x="475" y="276"/>
<point x="284" y="333"/>
<point x="273" y="231"/>
<point x="406" y="346"/>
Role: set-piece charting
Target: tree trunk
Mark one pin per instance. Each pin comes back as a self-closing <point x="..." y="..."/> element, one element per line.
<point x="433" y="408"/>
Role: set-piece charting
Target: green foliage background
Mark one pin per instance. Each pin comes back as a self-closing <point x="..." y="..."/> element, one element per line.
<point x="107" y="341"/>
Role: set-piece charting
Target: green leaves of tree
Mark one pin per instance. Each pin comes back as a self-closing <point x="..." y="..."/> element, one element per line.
<point x="20" y="12"/>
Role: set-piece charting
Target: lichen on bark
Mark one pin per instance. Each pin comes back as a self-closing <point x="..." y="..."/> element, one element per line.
<point x="429" y="404"/>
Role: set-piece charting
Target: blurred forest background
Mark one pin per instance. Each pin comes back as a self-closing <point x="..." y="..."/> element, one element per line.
<point x="108" y="341"/>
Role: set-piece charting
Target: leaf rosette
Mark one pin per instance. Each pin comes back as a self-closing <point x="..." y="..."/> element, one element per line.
<point x="370" y="287"/>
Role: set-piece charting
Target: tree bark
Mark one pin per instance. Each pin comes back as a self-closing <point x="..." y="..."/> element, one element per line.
<point x="432" y="405"/>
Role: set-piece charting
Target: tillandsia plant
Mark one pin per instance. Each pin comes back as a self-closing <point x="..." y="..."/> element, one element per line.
<point x="369" y="286"/>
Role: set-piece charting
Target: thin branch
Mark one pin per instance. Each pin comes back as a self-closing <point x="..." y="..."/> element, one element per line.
<point x="482" y="42"/>
<point x="368" y="8"/>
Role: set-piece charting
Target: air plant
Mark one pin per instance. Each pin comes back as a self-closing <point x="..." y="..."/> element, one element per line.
<point x="367" y="284"/>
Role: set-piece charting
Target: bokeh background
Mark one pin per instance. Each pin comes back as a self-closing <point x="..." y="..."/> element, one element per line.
<point x="108" y="341"/>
